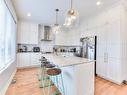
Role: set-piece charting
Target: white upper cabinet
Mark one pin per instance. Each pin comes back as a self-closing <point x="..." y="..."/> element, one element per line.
<point x="27" y="33"/>
<point x="34" y="34"/>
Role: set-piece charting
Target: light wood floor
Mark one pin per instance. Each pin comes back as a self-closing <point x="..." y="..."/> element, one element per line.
<point x="27" y="84"/>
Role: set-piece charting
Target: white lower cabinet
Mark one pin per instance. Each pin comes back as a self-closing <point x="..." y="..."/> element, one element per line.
<point x="23" y="59"/>
<point x="35" y="59"/>
<point x="114" y="70"/>
<point x="110" y="69"/>
<point x="28" y="59"/>
<point x="101" y="67"/>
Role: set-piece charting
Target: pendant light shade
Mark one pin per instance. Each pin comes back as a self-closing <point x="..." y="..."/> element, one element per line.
<point x="56" y="28"/>
<point x="71" y="16"/>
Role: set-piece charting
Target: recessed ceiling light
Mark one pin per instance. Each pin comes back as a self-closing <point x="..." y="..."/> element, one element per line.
<point x="98" y="3"/>
<point x="28" y="14"/>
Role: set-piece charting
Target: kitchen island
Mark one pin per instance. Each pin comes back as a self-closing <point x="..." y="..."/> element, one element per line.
<point x="77" y="74"/>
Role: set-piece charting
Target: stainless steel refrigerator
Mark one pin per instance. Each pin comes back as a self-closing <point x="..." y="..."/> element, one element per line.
<point x="88" y="48"/>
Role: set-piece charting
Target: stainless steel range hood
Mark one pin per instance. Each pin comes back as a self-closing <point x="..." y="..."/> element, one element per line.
<point x="45" y="32"/>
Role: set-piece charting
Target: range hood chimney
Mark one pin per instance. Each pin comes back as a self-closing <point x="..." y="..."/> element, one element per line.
<point x="45" y="32"/>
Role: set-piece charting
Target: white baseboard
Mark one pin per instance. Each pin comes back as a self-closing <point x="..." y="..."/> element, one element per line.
<point x="32" y="66"/>
<point x="114" y="81"/>
<point x="3" y="91"/>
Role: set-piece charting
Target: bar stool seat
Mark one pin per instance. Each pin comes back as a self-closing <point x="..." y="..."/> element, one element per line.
<point x="54" y="71"/>
<point x="50" y="65"/>
<point x="43" y="64"/>
<point x="43" y="60"/>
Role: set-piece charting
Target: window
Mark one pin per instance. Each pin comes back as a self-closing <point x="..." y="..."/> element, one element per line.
<point x="7" y="36"/>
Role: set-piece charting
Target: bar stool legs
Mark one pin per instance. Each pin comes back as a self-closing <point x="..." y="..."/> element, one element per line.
<point x="56" y="76"/>
<point x="46" y="79"/>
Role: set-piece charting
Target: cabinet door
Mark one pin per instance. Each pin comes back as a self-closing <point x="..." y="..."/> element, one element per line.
<point x="35" y="59"/>
<point x="114" y="70"/>
<point x="23" y="33"/>
<point x="101" y="51"/>
<point x="19" y="33"/>
<point x="84" y="85"/>
<point x="68" y="78"/>
<point x="41" y="32"/>
<point x="101" y="41"/>
<point x="23" y="59"/>
<point x="33" y="34"/>
<point x="101" y="67"/>
<point x="19" y="58"/>
<point x="113" y="40"/>
<point x="113" y="48"/>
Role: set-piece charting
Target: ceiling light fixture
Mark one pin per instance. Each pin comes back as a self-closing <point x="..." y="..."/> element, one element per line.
<point x="98" y="3"/>
<point x="71" y="15"/>
<point x="56" y="27"/>
<point x="28" y="14"/>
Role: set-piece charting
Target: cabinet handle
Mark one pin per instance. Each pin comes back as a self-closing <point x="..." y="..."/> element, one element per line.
<point x="106" y="57"/>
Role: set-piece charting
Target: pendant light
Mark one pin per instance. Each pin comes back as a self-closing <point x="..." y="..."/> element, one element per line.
<point x="56" y="27"/>
<point x="71" y="15"/>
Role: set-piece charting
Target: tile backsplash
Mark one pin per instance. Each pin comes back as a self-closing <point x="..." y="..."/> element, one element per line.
<point x="46" y="46"/>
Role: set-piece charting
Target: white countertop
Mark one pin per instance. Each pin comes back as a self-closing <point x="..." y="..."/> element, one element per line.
<point x="66" y="61"/>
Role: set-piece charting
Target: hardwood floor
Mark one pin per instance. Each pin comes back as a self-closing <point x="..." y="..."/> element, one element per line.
<point x="104" y="87"/>
<point x="27" y="84"/>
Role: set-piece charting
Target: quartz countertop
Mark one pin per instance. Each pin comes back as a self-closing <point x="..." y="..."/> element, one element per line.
<point x="64" y="61"/>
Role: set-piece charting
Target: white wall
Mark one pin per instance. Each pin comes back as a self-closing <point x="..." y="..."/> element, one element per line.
<point x="6" y="74"/>
<point x="68" y="37"/>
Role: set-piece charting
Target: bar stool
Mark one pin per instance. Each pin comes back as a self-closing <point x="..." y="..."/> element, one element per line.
<point x="43" y="61"/>
<point x="56" y="75"/>
<point x="44" y="81"/>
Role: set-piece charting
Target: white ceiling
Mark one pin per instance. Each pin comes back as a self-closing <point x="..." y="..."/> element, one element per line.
<point x="43" y="11"/>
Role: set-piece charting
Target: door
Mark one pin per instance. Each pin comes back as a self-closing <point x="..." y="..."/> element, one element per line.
<point x="101" y="61"/>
